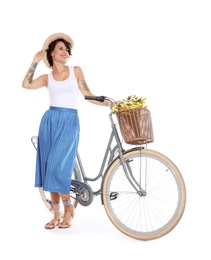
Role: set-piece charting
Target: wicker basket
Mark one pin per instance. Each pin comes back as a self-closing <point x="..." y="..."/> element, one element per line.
<point x="135" y="125"/>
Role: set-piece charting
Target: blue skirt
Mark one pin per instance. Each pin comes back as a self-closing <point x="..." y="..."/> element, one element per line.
<point x="58" y="139"/>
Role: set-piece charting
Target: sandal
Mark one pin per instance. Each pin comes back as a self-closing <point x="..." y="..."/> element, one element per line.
<point x="56" y="220"/>
<point x="52" y="224"/>
<point x="68" y="214"/>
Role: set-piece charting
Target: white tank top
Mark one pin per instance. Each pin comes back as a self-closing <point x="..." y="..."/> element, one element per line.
<point x="63" y="93"/>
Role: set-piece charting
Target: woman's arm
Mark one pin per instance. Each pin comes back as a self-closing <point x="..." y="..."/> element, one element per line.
<point x="84" y="87"/>
<point x="28" y="81"/>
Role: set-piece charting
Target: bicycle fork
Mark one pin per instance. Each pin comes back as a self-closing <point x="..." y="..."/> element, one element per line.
<point x="129" y="175"/>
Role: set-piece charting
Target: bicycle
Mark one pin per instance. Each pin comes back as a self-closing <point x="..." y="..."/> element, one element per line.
<point x="142" y="190"/>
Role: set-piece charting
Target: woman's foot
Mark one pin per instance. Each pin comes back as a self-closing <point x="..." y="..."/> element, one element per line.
<point x="56" y="220"/>
<point x="52" y="224"/>
<point x="68" y="217"/>
<point x="69" y="212"/>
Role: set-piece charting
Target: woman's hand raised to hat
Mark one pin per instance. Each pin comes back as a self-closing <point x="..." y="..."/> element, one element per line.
<point x="38" y="57"/>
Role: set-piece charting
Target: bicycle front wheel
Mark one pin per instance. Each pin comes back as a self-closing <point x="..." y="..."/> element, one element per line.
<point x="156" y="210"/>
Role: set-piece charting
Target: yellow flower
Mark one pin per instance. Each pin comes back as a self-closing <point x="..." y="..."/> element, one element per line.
<point x="130" y="102"/>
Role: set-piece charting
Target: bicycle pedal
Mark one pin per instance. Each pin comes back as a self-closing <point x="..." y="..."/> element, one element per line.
<point x="113" y="195"/>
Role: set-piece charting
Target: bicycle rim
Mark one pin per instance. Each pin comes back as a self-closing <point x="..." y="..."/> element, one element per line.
<point x="159" y="211"/>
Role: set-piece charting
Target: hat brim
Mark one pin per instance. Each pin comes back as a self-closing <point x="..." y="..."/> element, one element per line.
<point x="52" y="38"/>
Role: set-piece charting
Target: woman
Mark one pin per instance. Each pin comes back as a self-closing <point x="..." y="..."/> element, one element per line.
<point x="59" y="129"/>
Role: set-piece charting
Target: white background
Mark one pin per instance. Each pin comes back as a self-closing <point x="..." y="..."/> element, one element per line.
<point x="155" y="49"/>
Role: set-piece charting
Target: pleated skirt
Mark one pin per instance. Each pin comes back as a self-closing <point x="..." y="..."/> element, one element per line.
<point x="58" y="139"/>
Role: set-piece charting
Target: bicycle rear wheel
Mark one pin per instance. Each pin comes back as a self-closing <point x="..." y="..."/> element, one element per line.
<point x="150" y="215"/>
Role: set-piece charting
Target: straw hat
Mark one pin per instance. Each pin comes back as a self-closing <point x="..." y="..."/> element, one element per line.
<point x="52" y="38"/>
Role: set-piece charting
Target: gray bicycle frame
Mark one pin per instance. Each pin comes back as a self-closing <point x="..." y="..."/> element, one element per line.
<point x="109" y="157"/>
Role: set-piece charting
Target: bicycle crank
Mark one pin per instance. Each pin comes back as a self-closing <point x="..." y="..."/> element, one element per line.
<point x="83" y="191"/>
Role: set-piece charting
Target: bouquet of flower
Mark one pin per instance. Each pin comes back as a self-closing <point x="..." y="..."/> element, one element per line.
<point x="130" y="102"/>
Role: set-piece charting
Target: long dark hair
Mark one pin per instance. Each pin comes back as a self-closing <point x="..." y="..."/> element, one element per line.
<point x="52" y="46"/>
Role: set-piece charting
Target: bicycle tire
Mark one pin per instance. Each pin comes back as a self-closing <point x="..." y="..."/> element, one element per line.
<point x="151" y="216"/>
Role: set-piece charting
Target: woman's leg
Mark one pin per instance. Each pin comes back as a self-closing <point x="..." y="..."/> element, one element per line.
<point x="69" y="211"/>
<point x="55" y="200"/>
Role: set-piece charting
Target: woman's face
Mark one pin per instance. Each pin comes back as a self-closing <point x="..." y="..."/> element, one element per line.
<point x="60" y="53"/>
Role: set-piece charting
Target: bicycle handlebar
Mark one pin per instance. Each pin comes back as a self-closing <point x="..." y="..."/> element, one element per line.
<point x="100" y="98"/>
<point x="97" y="98"/>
